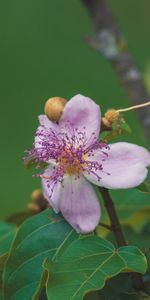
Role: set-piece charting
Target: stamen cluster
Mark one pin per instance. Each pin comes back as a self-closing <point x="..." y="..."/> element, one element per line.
<point x="69" y="152"/>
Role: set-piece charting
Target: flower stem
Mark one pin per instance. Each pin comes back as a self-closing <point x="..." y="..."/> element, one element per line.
<point x="118" y="233"/>
<point x="115" y="224"/>
<point x="133" y="107"/>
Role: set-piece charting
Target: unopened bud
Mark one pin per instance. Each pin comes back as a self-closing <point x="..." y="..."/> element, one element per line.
<point x="36" y="195"/>
<point x="54" y="108"/>
<point x="110" y="116"/>
<point x="34" y="207"/>
<point x="38" y="202"/>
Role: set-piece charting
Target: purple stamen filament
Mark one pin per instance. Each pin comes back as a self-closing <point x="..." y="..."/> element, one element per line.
<point x="70" y="151"/>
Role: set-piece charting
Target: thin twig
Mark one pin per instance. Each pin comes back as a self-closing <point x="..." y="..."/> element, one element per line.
<point x="106" y="226"/>
<point x="134" y="107"/>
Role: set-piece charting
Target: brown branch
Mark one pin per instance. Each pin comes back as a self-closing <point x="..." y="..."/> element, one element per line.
<point x="110" y="42"/>
<point x="114" y="221"/>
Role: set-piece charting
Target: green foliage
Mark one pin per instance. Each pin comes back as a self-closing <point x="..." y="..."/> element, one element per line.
<point x="145" y="187"/>
<point x="41" y="236"/>
<point x="140" y="239"/>
<point x="115" y="288"/>
<point x="120" y="288"/>
<point x="125" y="127"/>
<point x="7" y="232"/>
<point x="119" y="128"/>
<point x="3" y="259"/>
<point x="130" y="202"/>
<point x="47" y="251"/>
<point x="133" y="209"/>
<point x="87" y="264"/>
<point x="20" y="217"/>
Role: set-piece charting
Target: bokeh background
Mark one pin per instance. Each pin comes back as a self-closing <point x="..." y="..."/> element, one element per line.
<point x="43" y="54"/>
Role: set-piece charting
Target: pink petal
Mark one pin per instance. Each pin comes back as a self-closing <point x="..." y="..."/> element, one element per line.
<point x="82" y="113"/>
<point x="45" y="125"/>
<point x="44" y="121"/>
<point x="79" y="204"/>
<point x="126" y="164"/>
<point x="53" y="197"/>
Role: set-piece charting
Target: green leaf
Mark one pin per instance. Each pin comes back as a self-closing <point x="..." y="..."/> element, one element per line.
<point x="140" y="240"/>
<point x="145" y="187"/>
<point x="20" y="217"/>
<point x="3" y="259"/>
<point x="44" y="235"/>
<point x="87" y="264"/>
<point x="133" y="209"/>
<point x="7" y="233"/>
<point x="114" y="288"/>
<point x="129" y="202"/>
<point x="119" y="128"/>
<point x="125" y="127"/>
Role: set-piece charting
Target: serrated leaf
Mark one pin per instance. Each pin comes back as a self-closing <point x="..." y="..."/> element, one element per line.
<point x="87" y="264"/>
<point x="41" y="236"/>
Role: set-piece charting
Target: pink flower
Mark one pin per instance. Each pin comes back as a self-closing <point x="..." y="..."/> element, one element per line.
<point x="75" y="158"/>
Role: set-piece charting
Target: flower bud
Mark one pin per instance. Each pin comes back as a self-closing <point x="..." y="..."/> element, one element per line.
<point x="36" y="195"/>
<point x="38" y="202"/>
<point x="54" y="108"/>
<point x="110" y="116"/>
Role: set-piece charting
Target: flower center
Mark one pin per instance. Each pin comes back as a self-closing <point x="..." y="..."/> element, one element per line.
<point x="72" y="160"/>
<point x="71" y="151"/>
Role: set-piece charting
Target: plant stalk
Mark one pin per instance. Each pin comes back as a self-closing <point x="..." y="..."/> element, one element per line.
<point x="114" y="220"/>
<point x="118" y="233"/>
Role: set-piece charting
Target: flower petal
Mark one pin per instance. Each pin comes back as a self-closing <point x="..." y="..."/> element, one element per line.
<point x="51" y="192"/>
<point x="45" y="126"/>
<point x="126" y="163"/>
<point x="79" y="204"/>
<point x="82" y="113"/>
<point x="44" y="121"/>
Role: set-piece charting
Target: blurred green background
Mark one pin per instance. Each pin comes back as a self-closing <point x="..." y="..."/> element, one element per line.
<point x="43" y="54"/>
